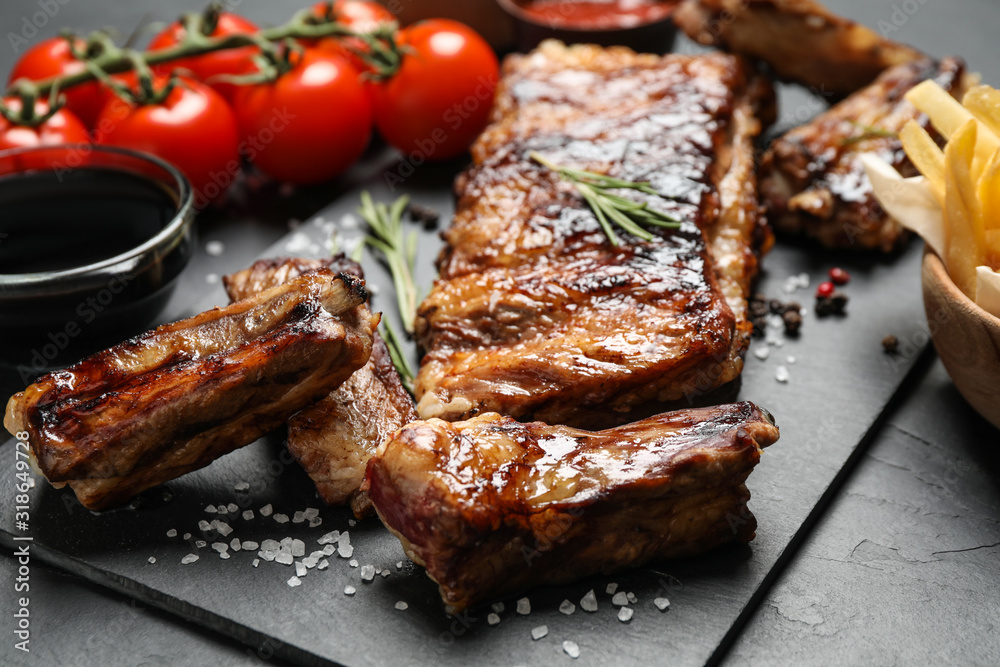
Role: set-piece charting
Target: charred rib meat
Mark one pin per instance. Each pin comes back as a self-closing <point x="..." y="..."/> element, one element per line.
<point x="477" y="502"/>
<point x="334" y="438"/>
<point x="801" y="40"/>
<point x="536" y="314"/>
<point x="812" y="181"/>
<point x="175" y="399"/>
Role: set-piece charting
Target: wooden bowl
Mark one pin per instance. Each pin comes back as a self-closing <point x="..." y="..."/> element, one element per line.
<point x="966" y="337"/>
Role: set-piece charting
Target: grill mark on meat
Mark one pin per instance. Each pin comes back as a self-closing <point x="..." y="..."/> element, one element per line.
<point x="536" y="314"/>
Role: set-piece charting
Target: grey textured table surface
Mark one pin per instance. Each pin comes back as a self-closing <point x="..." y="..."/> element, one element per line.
<point x="903" y="567"/>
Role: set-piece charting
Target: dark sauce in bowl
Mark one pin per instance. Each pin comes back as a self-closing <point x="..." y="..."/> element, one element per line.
<point x="597" y="14"/>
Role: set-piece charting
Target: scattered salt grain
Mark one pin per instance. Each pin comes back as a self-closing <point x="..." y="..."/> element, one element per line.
<point x="567" y="607"/>
<point x="316" y="555"/>
<point x="349" y="590"/>
<point x="329" y="538"/>
<point x="399" y="565"/>
<point x="201" y="544"/>
<point x="233" y="508"/>
<point x="662" y="603"/>
<point x="256" y="562"/>
<point x="493" y="619"/>
<point x="310" y="562"/>
<point x="266" y="510"/>
<point x="790" y="360"/>
<point x="367" y="572"/>
<point x="315" y="522"/>
<point x="281" y="518"/>
<point x="298" y="548"/>
<point x="152" y="560"/>
<point x="298" y="517"/>
<point x="215" y="248"/>
<point x="241" y="486"/>
<point x="210" y="509"/>
<point x="781" y="374"/>
<point x="632" y="598"/>
<point x="345" y="550"/>
<point x="310" y="513"/>
<point x="190" y="558"/>
<point x="267" y="555"/>
<point x="328" y="550"/>
<point x="589" y="601"/>
<point x="220" y="546"/>
<point x="284" y="558"/>
<point x="300" y="569"/>
<point x="353" y="563"/>
<point x="211" y="278"/>
<point x="270" y="545"/>
<point x="401" y="606"/>
<point x="611" y="588"/>
<point x="224" y="555"/>
<point x="187" y="536"/>
<point x="248" y="515"/>
<point x="385" y="573"/>
<point x="345" y="538"/>
<point x="497" y="607"/>
<point x="221" y="509"/>
<point x="762" y="352"/>
<point x="294" y="581"/>
<point x="625" y="614"/>
<point x="620" y="599"/>
<point x="172" y="532"/>
<point x="524" y="606"/>
<point x="204" y="526"/>
<point x="571" y="648"/>
<point x="323" y="564"/>
<point x="539" y="632"/>
<point x="223" y="528"/>
<point x="352" y="522"/>
<point x="235" y="545"/>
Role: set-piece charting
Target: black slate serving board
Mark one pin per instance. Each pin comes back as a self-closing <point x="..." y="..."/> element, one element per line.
<point x="840" y="384"/>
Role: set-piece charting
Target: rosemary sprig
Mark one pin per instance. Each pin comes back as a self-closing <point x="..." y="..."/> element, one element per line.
<point x="867" y="132"/>
<point x="608" y="207"/>
<point x="399" y="250"/>
<point x="398" y="356"/>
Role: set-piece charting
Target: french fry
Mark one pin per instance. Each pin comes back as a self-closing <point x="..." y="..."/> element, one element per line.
<point x="925" y="156"/>
<point x="992" y="254"/>
<point x="983" y="102"/>
<point x="963" y="215"/>
<point x="989" y="194"/>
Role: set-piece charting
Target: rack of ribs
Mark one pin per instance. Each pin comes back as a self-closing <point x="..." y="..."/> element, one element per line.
<point x="491" y="506"/>
<point x="334" y="438"/>
<point x="812" y="180"/>
<point x="801" y="41"/>
<point x="176" y="398"/>
<point x="536" y="315"/>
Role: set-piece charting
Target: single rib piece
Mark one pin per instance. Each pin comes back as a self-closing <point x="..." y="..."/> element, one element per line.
<point x="801" y="40"/>
<point x="536" y="315"/>
<point x="175" y="399"/>
<point x="491" y="506"/>
<point x="812" y="181"/>
<point x="334" y="438"/>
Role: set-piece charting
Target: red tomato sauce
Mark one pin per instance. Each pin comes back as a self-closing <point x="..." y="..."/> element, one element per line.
<point x="597" y="14"/>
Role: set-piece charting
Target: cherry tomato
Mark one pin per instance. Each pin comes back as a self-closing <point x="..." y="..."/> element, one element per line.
<point x="193" y="128"/>
<point x="358" y="15"/>
<point x="203" y="67"/>
<point x="440" y="99"/>
<point x="309" y="125"/>
<point x="52" y="57"/>
<point x="61" y="128"/>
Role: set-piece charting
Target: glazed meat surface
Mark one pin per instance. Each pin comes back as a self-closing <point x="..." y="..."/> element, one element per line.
<point x="801" y="40"/>
<point x="536" y="315"/>
<point x="176" y="398"/>
<point x="491" y="506"/>
<point x="334" y="438"/>
<point x="812" y="181"/>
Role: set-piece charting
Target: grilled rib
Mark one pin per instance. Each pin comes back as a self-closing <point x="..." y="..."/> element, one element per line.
<point x="334" y="438"/>
<point x="176" y="398"/>
<point x="536" y="315"/>
<point x="801" y="41"/>
<point x="491" y="506"/>
<point x="812" y="181"/>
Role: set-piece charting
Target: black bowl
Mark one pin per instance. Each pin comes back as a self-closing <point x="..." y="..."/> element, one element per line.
<point x="651" y="37"/>
<point x="92" y="241"/>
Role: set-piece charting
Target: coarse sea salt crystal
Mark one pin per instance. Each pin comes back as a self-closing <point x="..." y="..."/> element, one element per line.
<point x="256" y="562"/>
<point x="233" y="508"/>
<point x="567" y="607"/>
<point x="248" y="515"/>
<point x="781" y="374"/>
<point x="152" y="560"/>
<point x="204" y="526"/>
<point x="310" y="513"/>
<point x="220" y="546"/>
<point x="221" y="509"/>
<point x="294" y="581"/>
<point x="329" y="538"/>
<point x="266" y="510"/>
<point x="385" y="573"/>
<point x="298" y="517"/>
<point x="267" y="555"/>
<point x="353" y="563"/>
<point x="345" y="538"/>
<point x="589" y="601"/>
<point x="539" y="632"/>
<point x="284" y="558"/>
<point x="367" y="572"/>
<point x="281" y="518"/>
<point x="632" y="598"/>
<point x="493" y="619"/>
<point x="187" y="536"/>
<point x="235" y="545"/>
<point x="298" y="548"/>
<point x="270" y="545"/>
<point x="210" y="509"/>
<point x="345" y="550"/>
<point x="211" y="278"/>
<point x="316" y="522"/>
<point x="662" y="603"/>
<point x="625" y="614"/>
<point x="224" y="555"/>
<point x="524" y="606"/>
<point x="399" y="565"/>
<point x="190" y="558"/>
<point x="350" y="590"/>
<point x="790" y="360"/>
<point x="352" y="522"/>
<point x="223" y="528"/>
<point x="611" y="588"/>
<point x="172" y="532"/>
<point x="241" y="486"/>
<point x="316" y="555"/>
<point x="201" y="544"/>
<point x="620" y="599"/>
<point x="762" y="352"/>
<point x="215" y="248"/>
<point x="323" y="564"/>
<point x="310" y="562"/>
<point x="329" y="550"/>
<point x="497" y="607"/>
<point x="300" y="569"/>
<point x="571" y="649"/>
<point x="401" y="606"/>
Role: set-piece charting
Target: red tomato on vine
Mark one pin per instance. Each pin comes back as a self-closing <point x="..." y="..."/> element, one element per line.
<point x="439" y="100"/>
<point x="53" y="57"/>
<point x="62" y="127"/>
<point x="310" y="124"/>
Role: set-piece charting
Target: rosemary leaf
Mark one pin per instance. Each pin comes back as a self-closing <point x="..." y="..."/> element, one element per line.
<point x="867" y="132"/>
<point x="398" y="250"/>
<point x="610" y="208"/>
<point x="398" y="355"/>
